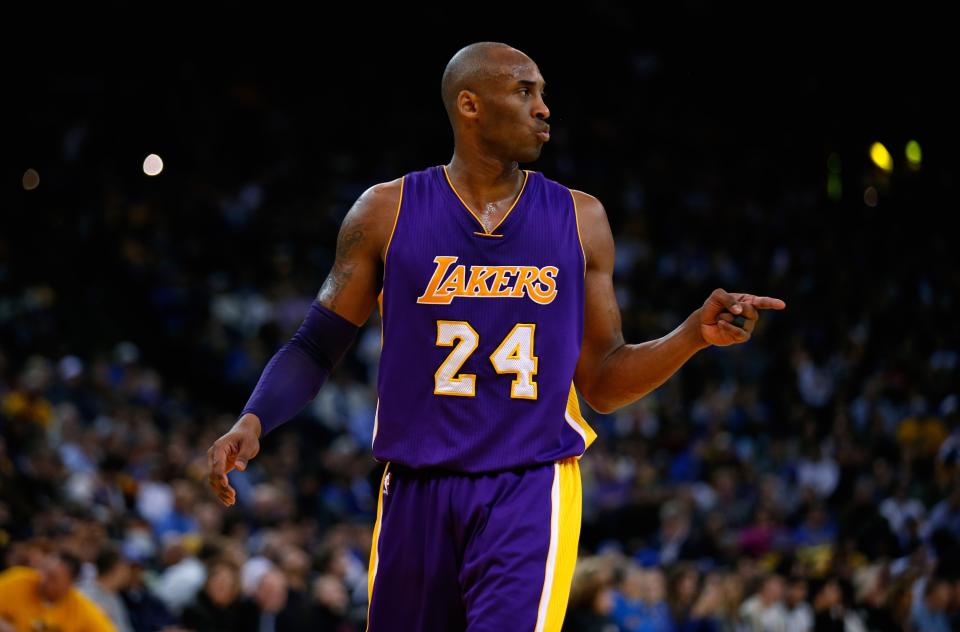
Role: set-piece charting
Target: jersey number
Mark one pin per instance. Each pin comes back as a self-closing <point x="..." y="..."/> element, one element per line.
<point x="513" y="355"/>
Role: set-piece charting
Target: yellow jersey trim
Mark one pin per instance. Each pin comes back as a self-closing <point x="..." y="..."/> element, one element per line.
<point x="523" y="187"/>
<point x="394" y="227"/>
<point x="375" y="545"/>
<point x="386" y="249"/>
<point x="576" y="219"/>
<point x="576" y="420"/>
<point x="566" y="500"/>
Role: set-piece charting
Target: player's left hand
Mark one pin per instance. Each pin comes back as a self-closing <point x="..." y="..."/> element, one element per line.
<point x="723" y="311"/>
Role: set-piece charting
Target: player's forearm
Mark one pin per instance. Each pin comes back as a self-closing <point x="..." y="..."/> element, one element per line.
<point x="633" y="370"/>
<point x="296" y="372"/>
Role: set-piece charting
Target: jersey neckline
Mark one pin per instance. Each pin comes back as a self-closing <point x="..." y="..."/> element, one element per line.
<point x="483" y="231"/>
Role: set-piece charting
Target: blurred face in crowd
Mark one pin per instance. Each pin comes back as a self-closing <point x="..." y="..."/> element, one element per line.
<point x="656" y="586"/>
<point x="772" y="591"/>
<point x="603" y="602"/>
<point x="939" y="598"/>
<point x="633" y="586"/>
<point x="829" y="596"/>
<point x="733" y="589"/>
<point x="271" y="593"/>
<point x="797" y="593"/>
<point x="296" y="565"/>
<point x="55" y="579"/>
<point x="223" y="585"/>
<point x="687" y="585"/>
<point x="330" y="593"/>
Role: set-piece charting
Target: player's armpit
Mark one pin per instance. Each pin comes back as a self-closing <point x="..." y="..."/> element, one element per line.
<point x="602" y="333"/>
<point x="351" y="288"/>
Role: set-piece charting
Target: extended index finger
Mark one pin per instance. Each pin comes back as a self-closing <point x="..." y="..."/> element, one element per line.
<point x="763" y="302"/>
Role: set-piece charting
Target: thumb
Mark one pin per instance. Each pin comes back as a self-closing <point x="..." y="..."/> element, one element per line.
<point x="249" y="448"/>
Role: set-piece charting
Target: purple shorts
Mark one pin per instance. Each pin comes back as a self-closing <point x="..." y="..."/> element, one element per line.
<point x="474" y="552"/>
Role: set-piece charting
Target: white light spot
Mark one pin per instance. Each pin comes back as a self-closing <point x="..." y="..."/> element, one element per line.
<point x="152" y="165"/>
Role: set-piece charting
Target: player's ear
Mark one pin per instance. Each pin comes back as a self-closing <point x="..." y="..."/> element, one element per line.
<point x="468" y="104"/>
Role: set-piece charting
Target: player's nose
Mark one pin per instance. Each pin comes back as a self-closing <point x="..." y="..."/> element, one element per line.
<point x="541" y="111"/>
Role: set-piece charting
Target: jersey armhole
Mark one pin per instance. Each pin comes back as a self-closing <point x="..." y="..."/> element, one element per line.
<point x="396" y="217"/>
<point x="386" y="253"/>
<point x="576" y="219"/>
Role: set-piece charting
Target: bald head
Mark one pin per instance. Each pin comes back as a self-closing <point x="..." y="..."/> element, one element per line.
<point x="473" y="66"/>
<point x="493" y="94"/>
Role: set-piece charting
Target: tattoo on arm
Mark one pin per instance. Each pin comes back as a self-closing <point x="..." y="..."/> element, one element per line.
<point x="351" y="234"/>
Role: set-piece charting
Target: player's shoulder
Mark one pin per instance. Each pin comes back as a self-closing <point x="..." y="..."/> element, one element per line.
<point x="595" y="236"/>
<point x="383" y="194"/>
<point x="377" y="204"/>
<point x="589" y="208"/>
<point x="387" y="195"/>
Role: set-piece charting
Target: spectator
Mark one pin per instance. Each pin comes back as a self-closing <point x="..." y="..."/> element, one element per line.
<point x="113" y="576"/>
<point x="32" y="599"/>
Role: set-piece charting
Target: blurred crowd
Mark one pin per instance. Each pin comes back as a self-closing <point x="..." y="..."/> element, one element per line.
<point x="809" y="480"/>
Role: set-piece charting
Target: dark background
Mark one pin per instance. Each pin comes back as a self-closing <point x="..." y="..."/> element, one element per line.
<point x="705" y="134"/>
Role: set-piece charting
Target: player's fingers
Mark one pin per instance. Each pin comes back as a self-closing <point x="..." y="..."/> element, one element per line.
<point x="226" y="494"/>
<point x="749" y="311"/>
<point x="727" y="300"/>
<point x="216" y="457"/>
<point x="763" y="302"/>
<point x="742" y="322"/>
<point x="738" y="335"/>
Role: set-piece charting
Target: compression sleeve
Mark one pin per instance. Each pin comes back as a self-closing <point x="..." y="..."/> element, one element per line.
<point x="299" y="368"/>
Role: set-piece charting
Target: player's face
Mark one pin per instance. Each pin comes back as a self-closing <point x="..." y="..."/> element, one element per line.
<point x="516" y="114"/>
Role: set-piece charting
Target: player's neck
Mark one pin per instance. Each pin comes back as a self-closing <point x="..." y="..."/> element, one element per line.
<point x="484" y="178"/>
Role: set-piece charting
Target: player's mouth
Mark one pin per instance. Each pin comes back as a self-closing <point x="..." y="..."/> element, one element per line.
<point x="544" y="135"/>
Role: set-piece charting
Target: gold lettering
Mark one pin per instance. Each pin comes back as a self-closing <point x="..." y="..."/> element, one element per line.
<point x="430" y="295"/>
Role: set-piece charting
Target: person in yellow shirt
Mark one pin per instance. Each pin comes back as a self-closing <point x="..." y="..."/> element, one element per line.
<point x="45" y="599"/>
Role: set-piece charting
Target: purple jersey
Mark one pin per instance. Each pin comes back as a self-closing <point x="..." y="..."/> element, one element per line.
<point x="481" y="331"/>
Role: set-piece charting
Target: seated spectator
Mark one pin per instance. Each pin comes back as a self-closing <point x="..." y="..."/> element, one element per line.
<point x="219" y="606"/>
<point x="45" y="598"/>
<point x="113" y="576"/>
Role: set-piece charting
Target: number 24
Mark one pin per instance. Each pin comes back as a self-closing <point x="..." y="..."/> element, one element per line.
<point x="513" y="355"/>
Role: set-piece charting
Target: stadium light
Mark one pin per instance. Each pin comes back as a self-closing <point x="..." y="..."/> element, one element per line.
<point x="881" y="157"/>
<point x="914" y="155"/>
<point x="152" y="165"/>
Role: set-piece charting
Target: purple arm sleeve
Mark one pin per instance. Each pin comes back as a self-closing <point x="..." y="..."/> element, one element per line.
<point x="297" y="371"/>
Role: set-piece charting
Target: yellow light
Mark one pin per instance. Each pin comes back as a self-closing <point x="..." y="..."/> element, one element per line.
<point x="881" y="157"/>
<point x="914" y="155"/>
<point x="152" y="165"/>
<point x="31" y="179"/>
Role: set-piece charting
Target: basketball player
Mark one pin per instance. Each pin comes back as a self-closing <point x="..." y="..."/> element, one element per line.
<point x="496" y="294"/>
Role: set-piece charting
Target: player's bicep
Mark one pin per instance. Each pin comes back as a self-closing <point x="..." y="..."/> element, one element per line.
<point x="602" y="332"/>
<point x="350" y="288"/>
